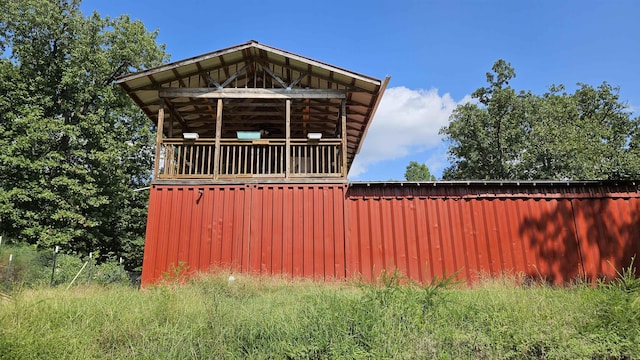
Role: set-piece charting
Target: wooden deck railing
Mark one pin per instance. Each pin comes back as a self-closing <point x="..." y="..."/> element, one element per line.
<point x="186" y="159"/>
<point x="182" y="159"/>
<point x="252" y="158"/>
<point x="316" y="158"/>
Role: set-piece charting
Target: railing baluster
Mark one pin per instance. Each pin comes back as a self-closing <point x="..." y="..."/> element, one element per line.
<point x="226" y="154"/>
<point x="269" y="158"/>
<point x="278" y="158"/>
<point x="316" y="159"/>
<point x="252" y="160"/>
<point x="304" y="160"/>
<point x="323" y="163"/>
<point x="190" y="165"/>
<point x="336" y="166"/>
<point x="165" y="150"/>
<point x="296" y="156"/>
<point x="175" y="151"/>
<point x="235" y="161"/>
<point x="238" y="154"/>
<point x="241" y="168"/>
<point x="197" y="164"/>
<point x="183" y="160"/>
<point x="246" y="159"/>
<point x="209" y="161"/>
<point x="175" y="160"/>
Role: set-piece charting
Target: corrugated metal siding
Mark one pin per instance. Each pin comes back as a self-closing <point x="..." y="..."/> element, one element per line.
<point x="543" y="232"/>
<point x="259" y="228"/>
<point x="325" y="231"/>
<point x="609" y="234"/>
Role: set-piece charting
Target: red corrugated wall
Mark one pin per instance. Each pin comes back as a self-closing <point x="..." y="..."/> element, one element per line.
<point x="608" y="230"/>
<point x="328" y="231"/>
<point x="288" y="229"/>
<point x="556" y="233"/>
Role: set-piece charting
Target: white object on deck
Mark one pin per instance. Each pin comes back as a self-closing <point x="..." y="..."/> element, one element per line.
<point x="190" y="136"/>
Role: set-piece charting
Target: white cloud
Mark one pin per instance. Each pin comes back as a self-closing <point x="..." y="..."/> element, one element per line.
<point x="407" y="121"/>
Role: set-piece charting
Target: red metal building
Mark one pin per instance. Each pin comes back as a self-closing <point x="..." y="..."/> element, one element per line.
<point x="253" y="149"/>
<point x="552" y="231"/>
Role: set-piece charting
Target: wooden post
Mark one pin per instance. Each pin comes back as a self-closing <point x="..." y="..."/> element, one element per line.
<point x="170" y="132"/>
<point x="343" y="120"/>
<point x="169" y="153"/>
<point x="156" y="165"/>
<point x="216" y="153"/>
<point x="287" y="146"/>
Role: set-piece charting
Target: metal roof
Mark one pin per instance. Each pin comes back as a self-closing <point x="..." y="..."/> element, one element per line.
<point x="244" y="66"/>
<point x="496" y="183"/>
<point x="543" y="189"/>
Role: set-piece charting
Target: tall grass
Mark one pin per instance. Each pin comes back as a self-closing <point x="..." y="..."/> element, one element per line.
<point x="260" y="318"/>
<point x="33" y="268"/>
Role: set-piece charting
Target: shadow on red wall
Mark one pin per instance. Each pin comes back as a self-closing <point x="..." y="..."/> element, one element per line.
<point x="590" y="238"/>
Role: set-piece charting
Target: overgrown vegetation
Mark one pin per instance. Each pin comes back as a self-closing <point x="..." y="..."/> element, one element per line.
<point x="74" y="146"/>
<point x="32" y="268"/>
<point x="253" y="317"/>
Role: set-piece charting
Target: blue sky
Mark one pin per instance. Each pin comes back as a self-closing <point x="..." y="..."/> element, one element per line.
<point x="436" y="52"/>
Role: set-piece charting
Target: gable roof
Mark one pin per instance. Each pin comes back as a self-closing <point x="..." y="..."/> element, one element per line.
<point x="242" y="65"/>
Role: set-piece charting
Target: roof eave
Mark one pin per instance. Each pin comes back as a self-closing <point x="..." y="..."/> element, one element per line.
<point x="383" y="88"/>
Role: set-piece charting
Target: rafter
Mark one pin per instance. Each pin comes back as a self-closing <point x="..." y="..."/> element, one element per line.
<point x="175" y="114"/>
<point x="232" y="77"/>
<point x="273" y="75"/>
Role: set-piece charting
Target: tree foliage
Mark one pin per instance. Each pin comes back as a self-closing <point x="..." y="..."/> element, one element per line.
<point x="418" y="172"/>
<point x="73" y="145"/>
<point x="505" y="134"/>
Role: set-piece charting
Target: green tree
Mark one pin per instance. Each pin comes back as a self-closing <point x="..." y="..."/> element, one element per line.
<point x="511" y="134"/>
<point x="418" y="172"/>
<point x="73" y="145"/>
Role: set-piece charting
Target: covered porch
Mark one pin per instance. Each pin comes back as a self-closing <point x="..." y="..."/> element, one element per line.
<point x="253" y="113"/>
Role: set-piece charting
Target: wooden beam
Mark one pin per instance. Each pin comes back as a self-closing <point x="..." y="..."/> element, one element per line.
<point x="216" y="154"/>
<point x="232" y="77"/>
<point x="210" y="81"/>
<point x="296" y="81"/>
<point x="241" y="93"/>
<point x="273" y="75"/>
<point x="239" y="103"/>
<point x="343" y="120"/>
<point x="373" y="112"/>
<point x="156" y="165"/>
<point x="287" y="146"/>
<point x="175" y="114"/>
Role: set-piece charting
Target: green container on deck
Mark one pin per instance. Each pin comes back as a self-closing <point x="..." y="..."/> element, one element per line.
<point x="248" y="135"/>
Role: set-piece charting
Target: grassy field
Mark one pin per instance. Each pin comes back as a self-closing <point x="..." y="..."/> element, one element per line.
<point x="260" y="318"/>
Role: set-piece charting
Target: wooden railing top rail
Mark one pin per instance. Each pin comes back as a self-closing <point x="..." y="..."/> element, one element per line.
<point x="320" y="141"/>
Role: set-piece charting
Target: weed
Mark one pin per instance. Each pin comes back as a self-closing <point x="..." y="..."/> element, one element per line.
<point x="177" y="274"/>
<point x="626" y="280"/>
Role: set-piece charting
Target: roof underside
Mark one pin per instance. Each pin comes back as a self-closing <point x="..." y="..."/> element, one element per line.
<point x="257" y="66"/>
